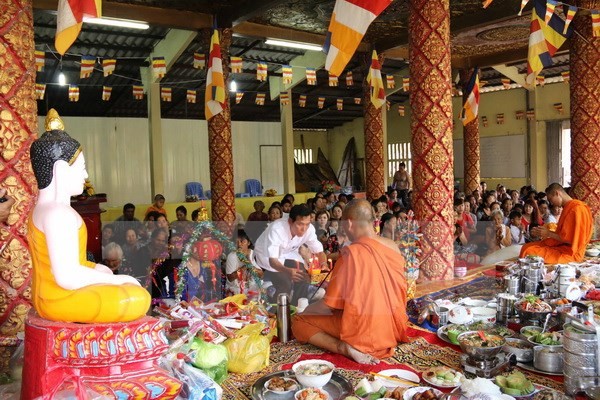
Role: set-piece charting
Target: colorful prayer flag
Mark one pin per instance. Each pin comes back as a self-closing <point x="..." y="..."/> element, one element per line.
<point x="87" y="66"/>
<point x="106" y="92"/>
<point x="261" y="72"/>
<point x="530" y="115"/>
<point x="406" y="84"/>
<point x="595" y="23"/>
<point x="40" y="90"/>
<point x="138" y="92"/>
<point x="523" y="4"/>
<point x="287" y="74"/>
<point x="340" y="104"/>
<point x="349" y="79"/>
<point x="550" y="6"/>
<point x="375" y="81"/>
<point x="401" y="111"/>
<point x="357" y="100"/>
<point x="484" y="121"/>
<point x="544" y="41"/>
<point x="108" y="66"/>
<point x="540" y="80"/>
<point x="191" y="96"/>
<point x="471" y="107"/>
<point x="486" y="3"/>
<point x="236" y="64"/>
<point x="566" y="75"/>
<point x="166" y="94"/>
<point x="569" y="18"/>
<point x="391" y="82"/>
<point x="302" y="100"/>
<point x="284" y="98"/>
<point x="348" y="25"/>
<point x="40" y="60"/>
<point x="70" y="19"/>
<point x="321" y="102"/>
<point x="499" y="119"/>
<point x="520" y="114"/>
<point x="333" y="80"/>
<point x="506" y="83"/>
<point x="260" y="99"/>
<point x="238" y="97"/>
<point x="73" y="93"/>
<point x="311" y="76"/>
<point x="159" y="67"/>
<point x="558" y="107"/>
<point x="214" y="95"/>
<point x="199" y="61"/>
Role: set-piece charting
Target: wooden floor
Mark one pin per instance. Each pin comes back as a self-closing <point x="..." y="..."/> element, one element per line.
<point x="425" y="288"/>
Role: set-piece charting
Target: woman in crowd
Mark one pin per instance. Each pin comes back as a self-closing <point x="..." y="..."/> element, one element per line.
<point x="322" y="220"/>
<point x="331" y="200"/>
<point x="497" y="235"/>
<point x="392" y="197"/>
<point x="274" y="213"/>
<point x="243" y="275"/>
<point x="544" y="209"/>
<point x="463" y="219"/>
<point x="387" y="226"/>
<point x="506" y="208"/>
<point x="336" y="211"/>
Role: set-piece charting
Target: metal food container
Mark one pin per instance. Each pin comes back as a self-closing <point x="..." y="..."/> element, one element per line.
<point x="524" y="355"/>
<point x="548" y="359"/>
<point x="579" y="360"/>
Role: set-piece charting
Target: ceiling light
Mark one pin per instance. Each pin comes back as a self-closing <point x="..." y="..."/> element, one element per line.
<point x="123" y="23"/>
<point x="62" y="79"/>
<point x="295" y="45"/>
<point x="232" y="86"/>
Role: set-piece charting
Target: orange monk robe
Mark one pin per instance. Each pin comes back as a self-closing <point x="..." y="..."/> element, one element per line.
<point x="367" y="293"/>
<point x="574" y="228"/>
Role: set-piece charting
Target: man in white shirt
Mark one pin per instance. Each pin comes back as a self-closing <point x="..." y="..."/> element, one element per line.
<point x="276" y="251"/>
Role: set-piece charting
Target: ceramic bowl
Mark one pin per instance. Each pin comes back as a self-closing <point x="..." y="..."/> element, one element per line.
<point x="312" y="381"/>
<point x="471" y="303"/>
<point x="460" y="315"/>
<point x="592" y="252"/>
<point x="484" y="314"/>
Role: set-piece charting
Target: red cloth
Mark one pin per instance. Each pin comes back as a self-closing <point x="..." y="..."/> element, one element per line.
<point x="345" y="363"/>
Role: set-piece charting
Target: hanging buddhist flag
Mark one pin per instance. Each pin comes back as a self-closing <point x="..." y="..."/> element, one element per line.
<point x="530" y="115"/>
<point x="333" y="80"/>
<point x="302" y="100"/>
<point x="311" y="76"/>
<point x="596" y="23"/>
<point x="284" y="98"/>
<point x="566" y="75"/>
<point x="191" y="96"/>
<point x="523" y="4"/>
<point x="349" y="79"/>
<point x="73" y="93"/>
<point x="159" y="67"/>
<point x="471" y="107"/>
<point x="550" y="6"/>
<point x="506" y="83"/>
<point x="40" y="60"/>
<point x="401" y="111"/>
<point x="106" y="92"/>
<point x="540" y="80"/>
<point x="375" y="81"/>
<point x="347" y="26"/>
<point x="287" y="74"/>
<point x="260" y="99"/>
<point x="321" y="102"/>
<point x="166" y="94"/>
<point x="238" y="97"/>
<point x="486" y="3"/>
<point x="214" y="95"/>
<point x="236" y="64"/>
<point x="199" y="61"/>
<point x="108" y="66"/>
<point x="484" y="121"/>
<point x="340" y="104"/>
<point x="406" y="84"/>
<point x="40" y="91"/>
<point x="569" y="17"/>
<point x="357" y="100"/>
<point x="520" y="114"/>
<point x="391" y="82"/>
<point x="558" y="107"/>
<point x="261" y="72"/>
<point x="70" y="19"/>
<point x="138" y="92"/>
<point x="87" y="66"/>
<point x="500" y="119"/>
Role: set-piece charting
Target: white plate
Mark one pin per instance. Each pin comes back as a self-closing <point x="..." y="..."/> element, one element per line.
<point x="402" y="373"/>
<point x="408" y="395"/>
<point x="450" y="385"/>
<point x="284" y="391"/>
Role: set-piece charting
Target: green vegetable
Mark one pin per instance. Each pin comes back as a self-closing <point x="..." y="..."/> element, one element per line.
<point x="515" y="384"/>
<point x="210" y="358"/>
<point x="363" y="388"/>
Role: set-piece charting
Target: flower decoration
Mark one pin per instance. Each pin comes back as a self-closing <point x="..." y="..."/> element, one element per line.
<point x="330" y="186"/>
<point x="271" y="192"/>
<point x="88" y="189"/>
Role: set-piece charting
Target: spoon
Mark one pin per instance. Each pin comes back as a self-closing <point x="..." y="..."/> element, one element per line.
<point x="546" y="322"/>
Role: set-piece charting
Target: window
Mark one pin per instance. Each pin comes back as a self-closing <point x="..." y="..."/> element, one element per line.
<point x="303" y="156"/>
<point x="397" y="153"/>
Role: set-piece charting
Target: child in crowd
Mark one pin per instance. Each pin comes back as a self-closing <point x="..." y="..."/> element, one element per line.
<point x="241" y="278"/>
<point x="157" y="205"/>
<point x="286" y="206"/>
<point x="274" y="213"/>
<point x="517" y="232"/>
<point x="334" y="226"/>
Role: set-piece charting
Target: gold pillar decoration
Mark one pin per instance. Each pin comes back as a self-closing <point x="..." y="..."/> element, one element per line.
<point x="374" y="151"/>
<point x="471" y="147"/>
<point x="18" y="129"/>
<point x="585" y="110"/>
<point x="431" y="131"/>
<point x="220" y="151"/>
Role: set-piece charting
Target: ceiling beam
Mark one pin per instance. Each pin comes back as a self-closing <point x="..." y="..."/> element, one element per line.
<point x="252" y="9"/>
<point x="503" y="57"/>
<point x="511" y="72"/>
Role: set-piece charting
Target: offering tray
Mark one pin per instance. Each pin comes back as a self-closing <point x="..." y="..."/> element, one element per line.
<point x="529" y="367"/>
<point x="442" y="332"/>
<point x="337" y="388"/>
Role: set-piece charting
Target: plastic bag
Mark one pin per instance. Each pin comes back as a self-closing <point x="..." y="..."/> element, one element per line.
<point x="249" y="351"/>
<point x="210" y="358"/>
<point x="196" y="384"/>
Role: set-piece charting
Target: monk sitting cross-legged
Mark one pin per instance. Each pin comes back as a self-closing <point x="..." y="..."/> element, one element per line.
<point x="573" y="232"/>
<point x="363" y="314"/>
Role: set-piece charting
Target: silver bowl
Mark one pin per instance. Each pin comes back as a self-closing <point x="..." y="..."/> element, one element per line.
<point x="479" y="352"/>
<point x="524" y="352"/>
<point x="532" y="315"/>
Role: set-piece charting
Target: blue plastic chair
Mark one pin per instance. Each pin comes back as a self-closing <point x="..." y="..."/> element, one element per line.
<point x="194" y="189"/>
<point x="208" y="194"/>
<point x="253" y="187"/>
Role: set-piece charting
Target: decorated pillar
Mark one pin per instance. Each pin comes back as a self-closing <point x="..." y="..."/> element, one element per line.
<point x="374" y="146"/>
<point x="18" y="129"/>
<point x="471" y="142"/>
<point x="220" y="150"/>
<point x="431" y="130"/>
<point x="585" y="109"/>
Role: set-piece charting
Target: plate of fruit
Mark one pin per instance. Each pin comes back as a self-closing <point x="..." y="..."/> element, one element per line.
<point x="516" y="384"/>
<point x="442" y="377"/>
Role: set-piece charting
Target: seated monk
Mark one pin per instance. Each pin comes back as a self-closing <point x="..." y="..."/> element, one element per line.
<point x="66" y="287"/>
<point x="363" y="314"/>
<point x="573" y="232"/>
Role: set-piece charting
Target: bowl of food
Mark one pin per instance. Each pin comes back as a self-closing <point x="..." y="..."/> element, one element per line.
<point x="481" y="345"/>
<point x="528" y="331"/>
<point x="460" y="315"/>
<point x="311" y="394"/>
<point x="522" y="349"/>
<point x="532" y="308"/>
<point x="546" y="339"/>
<point x="313" y="373"/>
<point x="281" y="385"/>
<point x="422" y="393"/>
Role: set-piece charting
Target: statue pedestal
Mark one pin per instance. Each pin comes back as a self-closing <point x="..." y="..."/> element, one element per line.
<point x="118" y="360"/>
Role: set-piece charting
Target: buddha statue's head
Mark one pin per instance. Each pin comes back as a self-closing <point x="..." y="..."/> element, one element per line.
<point x="56" y="152"/>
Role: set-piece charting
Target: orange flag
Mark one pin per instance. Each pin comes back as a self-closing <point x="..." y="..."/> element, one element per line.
<point x="70" y="19"/>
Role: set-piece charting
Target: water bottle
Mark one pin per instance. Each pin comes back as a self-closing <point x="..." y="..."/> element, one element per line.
<point x="283" y="318"/>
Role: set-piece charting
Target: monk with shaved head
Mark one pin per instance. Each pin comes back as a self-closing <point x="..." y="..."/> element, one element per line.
<point x="363" y="314"/>
<point x="573" y="232"/>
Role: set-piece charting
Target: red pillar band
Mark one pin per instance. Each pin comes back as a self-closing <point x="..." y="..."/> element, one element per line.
<point x="18" y="127"/>
<point x="585" y="109"/>
<point x="220" y="151"/>
<point x="470" y="143"/>
<point x="374" y="163"/>
<point x="431" y="130"/>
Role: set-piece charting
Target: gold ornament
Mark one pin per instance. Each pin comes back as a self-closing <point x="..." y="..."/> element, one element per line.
<point x="53" y="121"/>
